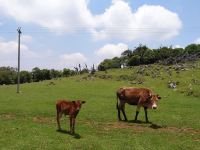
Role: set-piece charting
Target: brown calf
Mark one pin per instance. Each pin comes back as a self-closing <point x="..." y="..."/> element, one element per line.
<point x="142" y="97"/>
<point x="70" y="108"/>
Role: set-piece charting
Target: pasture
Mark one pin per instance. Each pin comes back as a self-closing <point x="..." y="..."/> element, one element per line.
<point x="27" y="120"/>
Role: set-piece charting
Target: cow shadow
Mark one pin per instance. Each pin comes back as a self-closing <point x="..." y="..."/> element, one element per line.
<point x="139" y="122"/>
<point x="156" y="126"/>
<point x="151" y="124"/>
<point x="75" y="135"/>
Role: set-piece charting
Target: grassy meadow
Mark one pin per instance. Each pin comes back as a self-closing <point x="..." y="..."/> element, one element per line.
<point x="27" y="120"/>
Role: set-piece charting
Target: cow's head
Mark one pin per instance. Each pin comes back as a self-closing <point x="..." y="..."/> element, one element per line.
<point x="78" y="104"/>
<point x="153" y="101"/>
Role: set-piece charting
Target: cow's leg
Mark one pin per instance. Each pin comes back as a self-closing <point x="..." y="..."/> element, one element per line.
<point x="59" y="115"/>
<point x="146" y="117"/>
<point x="137" y="112"/>
<point x="118" y="110"/>
<point x="123" y="110"/>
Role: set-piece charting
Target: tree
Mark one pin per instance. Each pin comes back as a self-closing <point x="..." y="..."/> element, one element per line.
<point x="141" y="50"/>
<point x="55" y="73"/>
<point x="110" y="63"/>
<point x="177" y="52"/>
<point x="25" y="77"/>
<point x="66" y="72"/>
<point x="192" y="48"/>
<point x="127" y="53"/>
<point x="36" y="74"/>
<point x="8" y="75"/>
<point x="134" y="60"/>
<point x="164" y="52"/>
<point x="46" y="75"/>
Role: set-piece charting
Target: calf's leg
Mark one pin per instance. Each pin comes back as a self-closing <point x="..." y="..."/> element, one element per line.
<point x="70" y="124"/>
<point x="59" y="115"/>
<point x="73" y="125"/>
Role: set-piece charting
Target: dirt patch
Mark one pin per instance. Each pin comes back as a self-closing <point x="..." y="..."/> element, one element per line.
<point x="150" y="128"/>
<point x="7" y="116"/>
<point x="138" y="127"/>
<point x="46" y="120"/>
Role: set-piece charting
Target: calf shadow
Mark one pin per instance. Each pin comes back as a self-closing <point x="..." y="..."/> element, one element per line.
<point x="75" y="135"/>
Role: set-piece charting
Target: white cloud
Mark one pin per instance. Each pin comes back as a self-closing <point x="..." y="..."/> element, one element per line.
<point x="148" y="22"/>
<point x="118" y="21"/>
<point x="177" y="46"/>
<point x="54" y="14"/>
<point x="26" y="38"/>
<point x="115" y="1"/>
<point x="72" y="60"/>
<point x="197" y="41"/>
<point x="8" y="53"/>
<point x="111" y="50"/>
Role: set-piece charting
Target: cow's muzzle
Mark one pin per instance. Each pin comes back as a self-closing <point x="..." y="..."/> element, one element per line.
<point x="154" y="107"/>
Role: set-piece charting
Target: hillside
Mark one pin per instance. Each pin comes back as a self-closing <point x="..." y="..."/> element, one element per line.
<point x="28" y="119"/>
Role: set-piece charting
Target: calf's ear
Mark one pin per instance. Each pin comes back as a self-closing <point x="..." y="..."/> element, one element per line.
<point x="83" y="102"/>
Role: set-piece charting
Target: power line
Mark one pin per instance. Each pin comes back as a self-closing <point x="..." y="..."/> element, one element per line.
<point x="82" y="30"/>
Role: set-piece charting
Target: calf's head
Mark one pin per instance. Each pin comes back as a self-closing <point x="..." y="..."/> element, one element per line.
<point x="153" y="101"/>
<point x="78" y="104"/>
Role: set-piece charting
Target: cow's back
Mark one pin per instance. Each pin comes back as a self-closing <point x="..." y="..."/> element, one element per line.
<point x="132" y="95"/>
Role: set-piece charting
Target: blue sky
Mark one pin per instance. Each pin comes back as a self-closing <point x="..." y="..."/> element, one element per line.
<point x="63" y="33"/>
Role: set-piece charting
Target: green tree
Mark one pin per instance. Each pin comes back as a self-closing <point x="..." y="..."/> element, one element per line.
<point x="66" y="72"/>
<point x="192" y="48"/>
<point x="37" y="74"/>
<point x="25" y="77"/>
<point x="46" y="75"/>
<point x="141" y="50"/>
<point x="8" y="75"/>
<point x="134" y="60"/>
<point x="55" y="73"/>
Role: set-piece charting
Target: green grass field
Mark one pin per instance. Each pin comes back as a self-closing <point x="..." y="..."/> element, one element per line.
<point x="27" y="120"/>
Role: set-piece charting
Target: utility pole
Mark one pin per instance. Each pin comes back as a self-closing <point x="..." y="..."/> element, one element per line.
<point x="18" y="69"/>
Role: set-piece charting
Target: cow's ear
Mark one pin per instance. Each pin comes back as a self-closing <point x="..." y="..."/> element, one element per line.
<point x="83" y="102"/>
<point x="158" y="96"/>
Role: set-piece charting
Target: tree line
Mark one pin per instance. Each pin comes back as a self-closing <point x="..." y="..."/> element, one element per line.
<point x="144" y="55"/>
<point x="8" y="75"/>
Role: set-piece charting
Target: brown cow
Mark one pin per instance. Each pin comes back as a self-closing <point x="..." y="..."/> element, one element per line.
<point x="142" y="97"/>
<point x="70" y="108"/>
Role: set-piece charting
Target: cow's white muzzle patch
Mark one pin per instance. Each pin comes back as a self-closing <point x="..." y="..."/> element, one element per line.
<point x="154" y="106"/>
